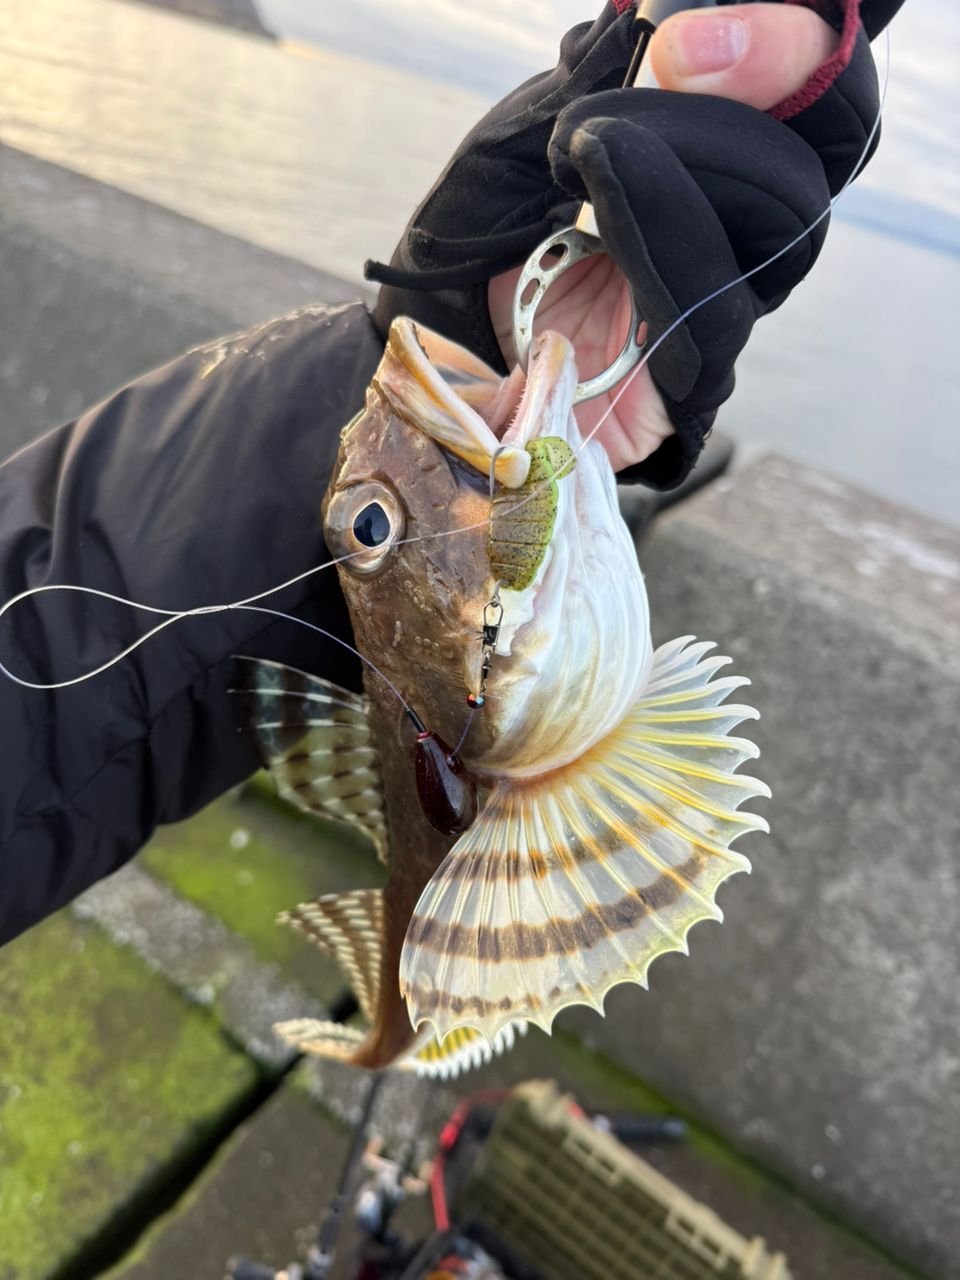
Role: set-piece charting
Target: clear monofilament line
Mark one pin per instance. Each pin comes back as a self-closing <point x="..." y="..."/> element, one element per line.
<point x="178" y="615"/>
<point x="732" y="284"/>
<point x="173" y="615"/>
<point x="466" y="729"/>
<point x="278" y="613"/>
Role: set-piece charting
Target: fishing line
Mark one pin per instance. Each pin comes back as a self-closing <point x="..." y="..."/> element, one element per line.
<point x="681" y="319"/>
<point x="247" y="603"/>
<point x="289" y="617"/>
<point x="466" y="729"/>
<point x="278" y="613"/>
<point x="176" y="615"/>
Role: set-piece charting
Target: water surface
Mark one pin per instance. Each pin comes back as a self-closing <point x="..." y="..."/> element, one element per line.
<point x="321" y="155"/>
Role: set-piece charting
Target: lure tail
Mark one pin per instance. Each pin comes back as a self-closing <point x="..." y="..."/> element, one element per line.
<point x="571" y="883"/>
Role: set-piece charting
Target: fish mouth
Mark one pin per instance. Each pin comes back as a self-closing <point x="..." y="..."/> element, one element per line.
<point x="546" y="392"/>
<point x="467" y="408"/>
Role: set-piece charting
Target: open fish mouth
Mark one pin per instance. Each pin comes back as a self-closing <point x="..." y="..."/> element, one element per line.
<point x="464" y="406"/>
<point x="573" y="646"/>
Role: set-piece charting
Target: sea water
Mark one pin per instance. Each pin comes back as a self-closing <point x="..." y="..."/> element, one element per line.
<point x="319" y="144"/>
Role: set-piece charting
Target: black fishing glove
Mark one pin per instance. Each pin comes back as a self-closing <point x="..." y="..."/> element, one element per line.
<point x="689" y="191"/>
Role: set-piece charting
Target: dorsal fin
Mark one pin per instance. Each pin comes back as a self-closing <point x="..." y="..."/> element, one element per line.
<point x="569" y="884"/>
<point x="348" y="927"/>
<point x="315" y="739"/>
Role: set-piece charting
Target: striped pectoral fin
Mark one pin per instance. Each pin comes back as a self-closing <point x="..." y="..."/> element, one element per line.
<point x="570" y="884"/>
<point x="315" y="739"/>
<point x="348" y="927"/>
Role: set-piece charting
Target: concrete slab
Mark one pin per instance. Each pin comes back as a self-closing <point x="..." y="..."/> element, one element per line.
<point x="262" y="1197"/>
<point x="832" y="535"/>
<point x="108" y="1083"/>
<point x="100" y="286"/>
<point x="817" y="1029"/>
<point x="202" y="958"/>
<point x="245" y="860"/>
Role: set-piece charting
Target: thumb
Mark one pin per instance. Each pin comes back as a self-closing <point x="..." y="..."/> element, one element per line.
<point x="757" y="54"/>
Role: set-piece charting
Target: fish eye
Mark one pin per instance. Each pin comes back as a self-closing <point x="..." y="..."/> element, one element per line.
<point x="371" y="526"/>
<point x="364" y="523"/>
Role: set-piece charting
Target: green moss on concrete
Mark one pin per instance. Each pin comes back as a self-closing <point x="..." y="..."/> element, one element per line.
<point x="106" y="1078"/>
<point x="259" y="1197"/>
<point x="245" y="859"/>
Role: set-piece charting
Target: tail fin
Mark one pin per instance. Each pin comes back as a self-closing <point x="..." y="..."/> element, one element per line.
<point x="326" y="1039"/>
<point x="349" y="927"/>
<point x="461" y="1051"/>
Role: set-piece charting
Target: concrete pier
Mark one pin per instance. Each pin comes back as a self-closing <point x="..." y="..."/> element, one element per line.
<point x="811" y="1041"/>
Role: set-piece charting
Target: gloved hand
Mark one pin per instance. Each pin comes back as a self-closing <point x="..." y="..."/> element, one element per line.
<point x="689" y="189"/>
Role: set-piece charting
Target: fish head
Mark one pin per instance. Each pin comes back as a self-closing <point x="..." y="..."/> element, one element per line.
<point x="408" y="519"/>
<point x="443" y="484"/>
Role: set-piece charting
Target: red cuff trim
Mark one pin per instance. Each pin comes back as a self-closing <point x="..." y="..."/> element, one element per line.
<point x="827" y="72"/>
<point x="622" y="6"/>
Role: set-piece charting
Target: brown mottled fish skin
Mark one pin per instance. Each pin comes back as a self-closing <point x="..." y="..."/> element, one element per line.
<point x="414" y="618"/>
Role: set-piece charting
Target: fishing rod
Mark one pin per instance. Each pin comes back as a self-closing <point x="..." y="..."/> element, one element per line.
<point x="458" y="1236"/>
<point x="321" y="1257"/>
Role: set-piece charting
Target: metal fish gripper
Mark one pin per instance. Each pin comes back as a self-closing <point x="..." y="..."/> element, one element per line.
<point x="562" y="250"/>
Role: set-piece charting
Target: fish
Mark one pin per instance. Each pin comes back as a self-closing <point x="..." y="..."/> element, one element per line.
<point x="554" y="800"/>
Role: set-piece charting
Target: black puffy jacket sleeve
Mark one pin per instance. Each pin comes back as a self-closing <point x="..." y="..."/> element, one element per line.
<point x="200" y="483"/>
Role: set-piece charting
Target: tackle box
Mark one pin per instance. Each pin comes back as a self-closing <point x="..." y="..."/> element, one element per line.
<point x="578" y="1205"/>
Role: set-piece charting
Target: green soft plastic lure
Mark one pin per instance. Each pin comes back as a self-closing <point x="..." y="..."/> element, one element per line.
<point x="521" y="525"/>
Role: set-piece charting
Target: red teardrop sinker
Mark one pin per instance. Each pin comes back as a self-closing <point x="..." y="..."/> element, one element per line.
<point x="447" y="791"/>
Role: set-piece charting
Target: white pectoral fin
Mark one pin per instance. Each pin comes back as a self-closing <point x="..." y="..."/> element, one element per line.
<point x="571" y="883"/>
